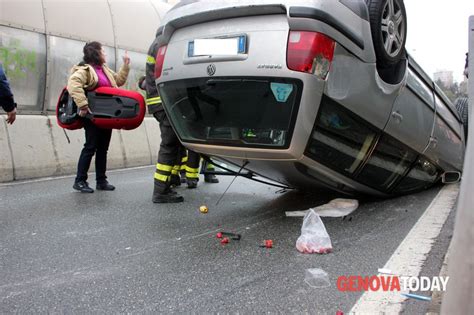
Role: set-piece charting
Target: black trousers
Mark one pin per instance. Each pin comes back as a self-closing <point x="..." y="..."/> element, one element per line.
<point x="192" y="165"/>
<point x="168" y="156"/>
<point x="97" y="142"/>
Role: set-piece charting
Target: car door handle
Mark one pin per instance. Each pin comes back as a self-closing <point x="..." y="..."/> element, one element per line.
<point x="397" y="116"/>
<point x="433" y="142"/>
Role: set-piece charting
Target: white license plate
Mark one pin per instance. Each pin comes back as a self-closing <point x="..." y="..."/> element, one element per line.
<point x="217" y="46"/>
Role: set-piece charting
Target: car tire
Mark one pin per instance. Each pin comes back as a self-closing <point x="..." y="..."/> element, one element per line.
<point x="462" y="108"/>
<point x="388" y="24"/>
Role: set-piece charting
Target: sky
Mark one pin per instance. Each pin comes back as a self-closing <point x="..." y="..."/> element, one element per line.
<point x="438" y="34"/>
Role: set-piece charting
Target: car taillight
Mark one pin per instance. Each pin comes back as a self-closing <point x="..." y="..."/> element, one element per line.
<point x="310" y="52"/>
<point x="160" y="58"/>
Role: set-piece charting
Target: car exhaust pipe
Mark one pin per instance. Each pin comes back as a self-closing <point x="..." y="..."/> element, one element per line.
<point x="451" y="177"/>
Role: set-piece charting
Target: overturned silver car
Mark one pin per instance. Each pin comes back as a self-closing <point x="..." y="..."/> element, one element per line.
<point x="307" y="93"/>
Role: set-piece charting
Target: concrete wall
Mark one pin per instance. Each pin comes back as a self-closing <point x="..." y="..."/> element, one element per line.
<point x="35" y="146"/>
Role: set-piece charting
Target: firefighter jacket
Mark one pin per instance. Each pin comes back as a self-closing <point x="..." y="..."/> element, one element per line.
<point x="153" y="100"/>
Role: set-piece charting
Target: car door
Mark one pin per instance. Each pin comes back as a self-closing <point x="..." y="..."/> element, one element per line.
<point x="446" y="147"/>
<point x="412" y="117"/>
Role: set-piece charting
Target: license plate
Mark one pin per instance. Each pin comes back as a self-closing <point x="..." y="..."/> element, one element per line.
<point x="217" y="46"/>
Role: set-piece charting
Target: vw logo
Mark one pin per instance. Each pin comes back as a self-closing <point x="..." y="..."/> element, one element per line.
<point x="211" y="69"/>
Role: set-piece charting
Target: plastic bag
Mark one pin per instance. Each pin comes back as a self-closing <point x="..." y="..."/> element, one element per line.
<point x="314" y="238"/>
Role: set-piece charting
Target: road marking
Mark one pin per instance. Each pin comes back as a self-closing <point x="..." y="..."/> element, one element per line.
<point x="411" y="254"/>
<point x="46" y="179"/>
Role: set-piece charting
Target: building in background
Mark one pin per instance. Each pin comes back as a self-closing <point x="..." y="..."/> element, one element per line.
<point x="445" y="77"/>
<point x="452" y="89"/>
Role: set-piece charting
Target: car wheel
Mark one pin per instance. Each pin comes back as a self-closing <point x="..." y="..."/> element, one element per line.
<point x="388" y="23"/>
<point x="462" y="108"/>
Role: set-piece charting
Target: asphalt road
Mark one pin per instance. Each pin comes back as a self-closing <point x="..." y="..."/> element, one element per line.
<point x="67" y="252"/>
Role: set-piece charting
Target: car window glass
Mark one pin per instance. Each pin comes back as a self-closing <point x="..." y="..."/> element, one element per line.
<point x="387" y="164"/>
<point x="251" y="112"/>
<point x="340" y="139"/>
<point x="447" y="116"/>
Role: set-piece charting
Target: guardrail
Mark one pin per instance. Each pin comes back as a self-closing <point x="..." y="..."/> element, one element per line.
<point x="458" y="298"/>
<point x="35" y="146"/>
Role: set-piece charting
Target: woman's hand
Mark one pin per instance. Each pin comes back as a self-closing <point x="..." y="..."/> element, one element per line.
<point x="83" y="111"/>
<point x="126" y="58"/>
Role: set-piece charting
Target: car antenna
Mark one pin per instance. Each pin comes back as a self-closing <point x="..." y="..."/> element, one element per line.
<point x="238" y="173"/>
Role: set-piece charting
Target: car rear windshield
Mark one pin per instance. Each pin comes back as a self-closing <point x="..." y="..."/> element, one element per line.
<point x="249" y="112"/>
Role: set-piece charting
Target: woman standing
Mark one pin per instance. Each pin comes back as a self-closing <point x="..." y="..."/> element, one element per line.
<point x="88" y="75"/>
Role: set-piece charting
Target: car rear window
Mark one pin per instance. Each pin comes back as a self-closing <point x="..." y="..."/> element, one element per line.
<point x="250" y="112"/>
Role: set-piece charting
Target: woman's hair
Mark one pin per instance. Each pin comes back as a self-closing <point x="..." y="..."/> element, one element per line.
<point x="92" y="53"/>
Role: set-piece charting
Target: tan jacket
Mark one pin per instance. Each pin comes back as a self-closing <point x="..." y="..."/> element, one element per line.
<point x="85" y="78"/>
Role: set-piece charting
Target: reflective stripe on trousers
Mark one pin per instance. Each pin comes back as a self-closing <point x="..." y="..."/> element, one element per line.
<point x="175" y="170"/>
<point x="192" y="172"/>
<point x="163" y="172"/>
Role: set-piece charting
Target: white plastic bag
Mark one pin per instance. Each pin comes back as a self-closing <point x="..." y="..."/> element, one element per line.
<point x="314" y="238"/>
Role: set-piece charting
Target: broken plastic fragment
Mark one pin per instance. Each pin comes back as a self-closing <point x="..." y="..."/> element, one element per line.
<point x="317" y="278"/>
<point x="267" y="244"/>
<point x="338" y="207"/>
<point x="385" y="271"/>
<point x="417" y="297"/>
<point x="224" y="241"/>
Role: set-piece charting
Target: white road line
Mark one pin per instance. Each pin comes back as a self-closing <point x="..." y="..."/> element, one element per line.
<point x="411" y="254"/>
<point x="46" y="179"/>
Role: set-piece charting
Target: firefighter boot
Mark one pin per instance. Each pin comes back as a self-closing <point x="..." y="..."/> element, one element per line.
<point x="210" y="178"/>
<point x="168" y="196"/>
<point x="175" y="180"/>
<point x="182" y="174"/>
<point x="192" y="182"/>
<point x="208" y="167"/>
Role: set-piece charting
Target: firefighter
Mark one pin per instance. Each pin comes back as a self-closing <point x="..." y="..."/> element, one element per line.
<point x="208" y="178"/>
<point x="189" y="170"/>
<point x="192" y="169"/>
<point x="170" y="145"/>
